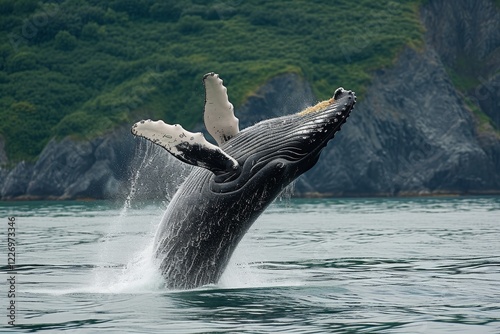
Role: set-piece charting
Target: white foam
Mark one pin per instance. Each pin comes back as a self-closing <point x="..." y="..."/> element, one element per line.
<point x="140" y="275"/>
<point x="243" y="271"/>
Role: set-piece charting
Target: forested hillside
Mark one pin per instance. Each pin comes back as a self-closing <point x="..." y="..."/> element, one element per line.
<point x="83" y="67"/>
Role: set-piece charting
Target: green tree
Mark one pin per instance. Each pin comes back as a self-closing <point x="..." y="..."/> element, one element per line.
<point x="90" y="31"/>
<point x="22" y="61"/>
<point x="25" y="6"/>
<point x="65" y="41"/>
<point x="166" y="11"/>
<point x="190" y="24"/>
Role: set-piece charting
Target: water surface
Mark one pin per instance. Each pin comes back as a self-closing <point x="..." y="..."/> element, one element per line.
<point x="428" y="265"/>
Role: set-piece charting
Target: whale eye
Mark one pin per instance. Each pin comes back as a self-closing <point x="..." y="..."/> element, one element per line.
<point x="280" y="165"/>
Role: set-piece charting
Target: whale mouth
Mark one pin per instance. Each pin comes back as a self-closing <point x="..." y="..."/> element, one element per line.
<point x="304" y="135"/>
<point x="342" y="106"/>
<point x="321" y="122"/>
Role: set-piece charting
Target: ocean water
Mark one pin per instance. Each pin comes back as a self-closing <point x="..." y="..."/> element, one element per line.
<point x="410" y="265"/>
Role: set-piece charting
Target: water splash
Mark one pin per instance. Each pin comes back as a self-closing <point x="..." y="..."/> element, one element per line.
<point x="150" y="174"/>
<point x="287" y="194"/>
<point x="242" y="273"/>
<point x="155" y="175"/>
<point x="142" y="160"/>
<point x="147" y="159"/>
<point x="155" y="172"/>
<point x="139" y="275"/>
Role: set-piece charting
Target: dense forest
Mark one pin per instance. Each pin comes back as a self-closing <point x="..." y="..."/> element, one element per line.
<point x="82" y="67"/>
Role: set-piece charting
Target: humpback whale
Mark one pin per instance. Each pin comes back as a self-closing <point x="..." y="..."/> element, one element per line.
<point x="237" y="179"/>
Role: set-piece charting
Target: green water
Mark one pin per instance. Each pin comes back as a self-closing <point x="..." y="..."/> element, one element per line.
<point x="428" y="265"/>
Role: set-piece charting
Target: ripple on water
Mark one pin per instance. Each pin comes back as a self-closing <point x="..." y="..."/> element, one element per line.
<point x="350" y="265"/>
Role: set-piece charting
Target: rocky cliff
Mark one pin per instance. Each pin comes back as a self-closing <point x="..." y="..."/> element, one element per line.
<point x="413" y="132"/>
<point x="466" y="36"/>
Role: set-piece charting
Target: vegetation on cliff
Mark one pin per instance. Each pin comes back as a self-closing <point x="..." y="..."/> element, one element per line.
<point x="81" y="67"/>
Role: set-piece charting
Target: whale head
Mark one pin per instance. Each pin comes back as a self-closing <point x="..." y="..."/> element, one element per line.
<point x="283" y="148"/>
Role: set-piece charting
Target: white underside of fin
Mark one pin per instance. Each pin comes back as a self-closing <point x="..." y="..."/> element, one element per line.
<point x="219" y="112"/>
<point x="188" y="147"/>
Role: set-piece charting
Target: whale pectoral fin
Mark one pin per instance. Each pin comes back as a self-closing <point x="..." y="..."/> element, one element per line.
<point x="191" y="148"/>
<point x="219" y="112"/>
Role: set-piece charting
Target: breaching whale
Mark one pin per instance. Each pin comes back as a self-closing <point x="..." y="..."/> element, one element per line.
<point x="239" y="178"/>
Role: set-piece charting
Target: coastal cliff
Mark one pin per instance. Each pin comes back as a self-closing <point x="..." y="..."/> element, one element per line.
<point x="430" y="123"/>
<point x="425" y="125"/>
<point x="411" y="135"/>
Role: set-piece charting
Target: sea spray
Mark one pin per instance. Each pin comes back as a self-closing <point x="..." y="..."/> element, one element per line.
<point x="154" y="177"/>
<point x="147" y="157"/>
<point x="105" y="271"/>
<point x="139" y="275"/>
<point x="142" y="159"/>
<point x="287" y="194"/>
<point x="151" y="168"/>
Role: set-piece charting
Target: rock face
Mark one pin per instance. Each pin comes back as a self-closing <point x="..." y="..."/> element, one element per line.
<point x="282" y="95"/>
<point x="463" y="28"/>
<point x="466" y="35"/>
<point x="112" y="166"/>
<point x="16" y="181"/>
<point x="487" y="96"/>
<point x="411" y="133"/>
<point x="70" y="169"/>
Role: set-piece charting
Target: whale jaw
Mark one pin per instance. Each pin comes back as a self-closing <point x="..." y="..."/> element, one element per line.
<point x="298" y="139"/>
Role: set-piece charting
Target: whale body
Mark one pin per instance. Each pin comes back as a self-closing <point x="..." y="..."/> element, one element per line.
<point x="217" y="203"/>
